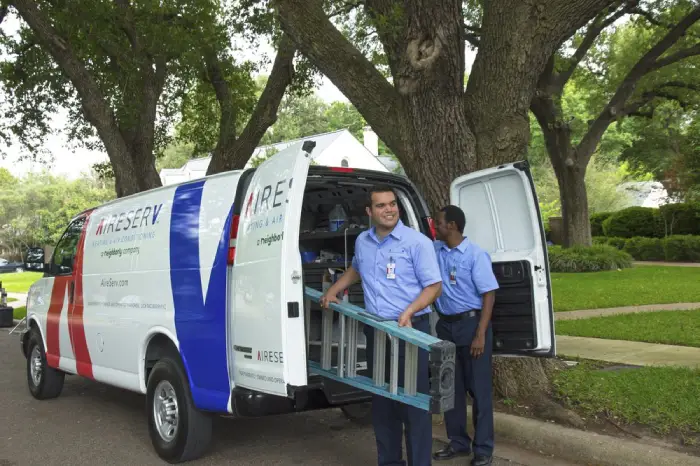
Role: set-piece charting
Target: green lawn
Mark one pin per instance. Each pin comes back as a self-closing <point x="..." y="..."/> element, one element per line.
<point x="19" y="313"/>
<point x="669" y="327"/>
<point x="665" y="399"/>
<point x="627" y="287"/>
<point x="19" y="282"/>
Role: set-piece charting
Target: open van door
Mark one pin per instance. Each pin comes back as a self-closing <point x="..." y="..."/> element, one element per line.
<point x="268" y="322"/>
<point x="503" y="218"/>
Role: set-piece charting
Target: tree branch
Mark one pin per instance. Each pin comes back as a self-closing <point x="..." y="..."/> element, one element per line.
<point x="227" y="125"/>
<point x="93" y="100"/>
<point x="597" y="26"/>
<point x="471" y="35"/>
<point x="237" y="152"/>
<point x="127" y="24"/>
<point x="649" y="62"/>
<point x="676" y="57"/>
<point x="373" y="96"/>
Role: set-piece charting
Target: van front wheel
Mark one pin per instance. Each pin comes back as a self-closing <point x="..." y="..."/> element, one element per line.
<point x="179" y="431"/>
<point x="44" y="382"/>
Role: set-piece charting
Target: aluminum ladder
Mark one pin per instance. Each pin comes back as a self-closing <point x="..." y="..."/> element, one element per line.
<point x="441" y="357"/>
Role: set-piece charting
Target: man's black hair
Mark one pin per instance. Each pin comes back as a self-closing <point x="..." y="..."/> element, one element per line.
<point x="455" y="214"/>
<point x="380" y="188"/>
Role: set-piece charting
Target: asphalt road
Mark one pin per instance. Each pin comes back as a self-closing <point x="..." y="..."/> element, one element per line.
<point x="96" y="424"/>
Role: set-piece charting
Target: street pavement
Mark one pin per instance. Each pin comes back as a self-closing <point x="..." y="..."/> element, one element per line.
<point x="92" y="423"/>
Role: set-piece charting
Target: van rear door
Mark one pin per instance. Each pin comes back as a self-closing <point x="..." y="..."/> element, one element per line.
<point x="268" y="322"/>
<point x="503" y="217"/>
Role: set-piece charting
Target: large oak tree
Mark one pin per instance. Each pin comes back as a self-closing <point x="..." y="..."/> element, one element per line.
<point x="122" y="67"/>
<point x="423" y="113"/>
<point x="649" y="60"/>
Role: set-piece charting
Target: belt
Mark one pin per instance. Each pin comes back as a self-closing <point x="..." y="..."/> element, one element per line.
<point x="421" y="318"/>
<point x="460" y="316"/>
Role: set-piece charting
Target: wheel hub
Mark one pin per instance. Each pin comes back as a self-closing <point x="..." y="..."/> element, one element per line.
<point x="35" y="366"/>
<point x="166" y="411"/>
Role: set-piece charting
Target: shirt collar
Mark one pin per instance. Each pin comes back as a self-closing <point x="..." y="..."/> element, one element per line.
<point x="461" y="247"/>
<point x="396" y="232"/>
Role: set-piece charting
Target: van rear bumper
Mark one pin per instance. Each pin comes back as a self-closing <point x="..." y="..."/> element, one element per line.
<point x="320" y="393"/>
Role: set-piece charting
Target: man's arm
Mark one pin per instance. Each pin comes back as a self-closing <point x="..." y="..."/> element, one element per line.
<point x="428" y="273"/>
<point x="349" y="278"/>
<point x="427" y="297"/>
<point x="486" y="284"/>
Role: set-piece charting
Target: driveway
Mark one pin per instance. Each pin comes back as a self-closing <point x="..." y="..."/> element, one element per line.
<point x="95" y="424"/>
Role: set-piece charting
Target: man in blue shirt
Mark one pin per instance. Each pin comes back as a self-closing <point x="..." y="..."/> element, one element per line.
<point x="465" y="308"/>
<point x="400" y="279"/>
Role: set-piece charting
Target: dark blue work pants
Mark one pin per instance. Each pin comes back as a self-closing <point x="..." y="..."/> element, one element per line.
<point x="390" y="417"/>
<point x="473" y="376"/>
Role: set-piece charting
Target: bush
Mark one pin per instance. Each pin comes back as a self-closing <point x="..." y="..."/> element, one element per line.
<point x="614" y="241"/>
<point x="645" y="249"/>
<point x="634" y="221"/>
<point x="597" y="220"/>
<point x="588" y="259"/>
<point x="680" y="219"/>
<point x="682" y="248"/>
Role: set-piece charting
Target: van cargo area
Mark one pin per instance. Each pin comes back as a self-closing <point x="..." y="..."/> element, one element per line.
<point x="327" y="250"/>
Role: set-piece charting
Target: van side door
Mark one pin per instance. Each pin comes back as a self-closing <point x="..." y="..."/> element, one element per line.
<point x="503" y="218"/>
<point x="268" y="325"/>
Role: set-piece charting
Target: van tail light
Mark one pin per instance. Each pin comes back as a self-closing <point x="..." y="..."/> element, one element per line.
<point x="232" y="240"/>
<point x="431" y="227"/>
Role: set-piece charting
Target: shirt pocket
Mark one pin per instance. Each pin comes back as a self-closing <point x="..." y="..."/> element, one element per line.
<point x="401" y="259"/>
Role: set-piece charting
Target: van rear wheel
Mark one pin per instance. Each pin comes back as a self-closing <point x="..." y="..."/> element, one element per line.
<point x="44" y="382"/>
<point x="179" y="431"/>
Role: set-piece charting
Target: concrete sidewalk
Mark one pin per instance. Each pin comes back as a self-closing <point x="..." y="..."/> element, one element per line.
<point x="628" y="352"/>
<point x="20" y="297"/>
<point x="587" y="313"/>
<point x="668" y="264"/>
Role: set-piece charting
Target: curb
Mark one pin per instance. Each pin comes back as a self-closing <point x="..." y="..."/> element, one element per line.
<point x="581" y="446"/>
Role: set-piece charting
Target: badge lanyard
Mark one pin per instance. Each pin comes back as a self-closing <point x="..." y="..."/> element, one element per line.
<point x="391" y="269"/>
<point x="453" y="274"/>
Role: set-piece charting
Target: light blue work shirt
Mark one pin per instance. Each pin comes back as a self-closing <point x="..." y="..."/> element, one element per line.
<point x="415" y="267"/>
<point x="473" y="273"/>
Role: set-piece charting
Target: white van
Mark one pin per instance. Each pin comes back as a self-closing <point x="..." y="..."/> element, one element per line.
<point x="193" y="294"/>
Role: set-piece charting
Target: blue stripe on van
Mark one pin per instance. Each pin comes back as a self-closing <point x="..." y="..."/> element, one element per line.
<point x="200" y="323"/>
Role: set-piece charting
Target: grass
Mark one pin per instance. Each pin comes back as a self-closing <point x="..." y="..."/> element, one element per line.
<point x="19" y="282"/>
<point x="627" y="287"/>
<point x="669" y="327"/>
<point x="662" y="398"/>
<point x="19" y="313"/>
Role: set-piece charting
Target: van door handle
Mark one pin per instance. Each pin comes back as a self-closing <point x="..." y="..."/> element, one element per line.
<point x="71" y="291"/>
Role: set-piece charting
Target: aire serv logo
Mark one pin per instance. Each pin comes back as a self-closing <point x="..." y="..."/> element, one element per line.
<point x="130" y="219"/>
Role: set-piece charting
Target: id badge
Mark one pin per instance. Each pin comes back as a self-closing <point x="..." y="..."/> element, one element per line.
<point x="453" y="276"/>
<point x="391" y="270"/>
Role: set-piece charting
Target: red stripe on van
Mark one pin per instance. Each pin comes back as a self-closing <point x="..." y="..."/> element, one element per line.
<point x="53" y="319"/>
<point x="76" y="325"/>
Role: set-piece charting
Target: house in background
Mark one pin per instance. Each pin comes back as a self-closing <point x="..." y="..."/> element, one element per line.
<point x="334" y="149"/>
<point x="645" y="194"/>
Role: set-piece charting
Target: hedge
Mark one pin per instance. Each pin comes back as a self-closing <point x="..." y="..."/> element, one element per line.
<point x="667" y="220"/>
<point x="676" y="248"/>
<point x="588" y="259"/>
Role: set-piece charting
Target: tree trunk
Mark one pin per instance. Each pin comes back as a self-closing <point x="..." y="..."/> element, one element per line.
<point x="569" y="166"/>
<point x="574" y="202"/>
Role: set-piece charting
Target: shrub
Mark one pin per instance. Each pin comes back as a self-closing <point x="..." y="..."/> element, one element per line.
<point x="587" y="259"/>
<point x="645" y="249"/>
<point x="680" y="219"/>
<point x="682" y="248"/>
<point x="614" y="241"/>
<point x="634" y="221"/>
<point x="597" y="220"/>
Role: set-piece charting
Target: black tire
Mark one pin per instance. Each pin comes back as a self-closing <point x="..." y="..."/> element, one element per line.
<point x="192" y="435"/>
<point x="49" y="381"/>
<point x="359" y="413"/>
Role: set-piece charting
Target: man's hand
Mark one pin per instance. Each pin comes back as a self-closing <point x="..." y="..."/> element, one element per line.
<point x="478" y="344"/>
<point x="405" y="318"/>
<point x="327" y="299"/>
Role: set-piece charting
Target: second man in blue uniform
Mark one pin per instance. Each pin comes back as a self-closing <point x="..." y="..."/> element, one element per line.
<point x="465" y="309"/>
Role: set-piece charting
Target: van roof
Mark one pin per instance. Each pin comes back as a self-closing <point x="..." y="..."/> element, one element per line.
<point x="314" y="170"/>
